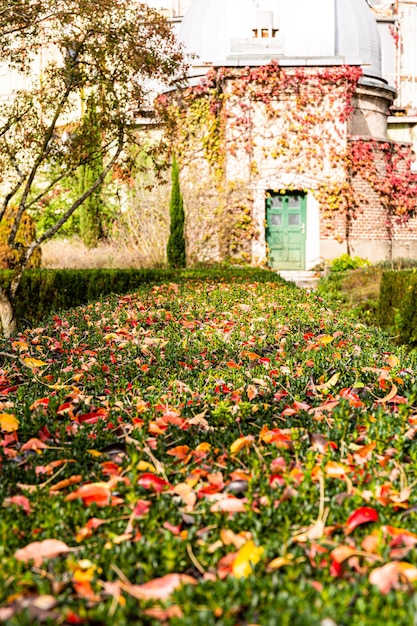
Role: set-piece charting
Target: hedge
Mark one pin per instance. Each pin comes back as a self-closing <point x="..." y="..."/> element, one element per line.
<point x="397" y="306"/>
<point x="42" y="292"/>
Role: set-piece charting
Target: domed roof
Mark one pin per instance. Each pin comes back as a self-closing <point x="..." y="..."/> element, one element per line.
<point x="296" y="32"/>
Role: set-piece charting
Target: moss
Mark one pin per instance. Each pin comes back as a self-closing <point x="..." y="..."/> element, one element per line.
<point x="26" y="234"/>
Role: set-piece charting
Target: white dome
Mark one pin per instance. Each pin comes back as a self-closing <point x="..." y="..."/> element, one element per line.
<point x="296" y="32"/>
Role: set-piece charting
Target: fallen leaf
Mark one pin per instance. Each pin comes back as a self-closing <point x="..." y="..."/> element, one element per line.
<point x="390" y="395"/>
<point x="33" y="363"/>
<point x="364" y="515"/>
<point x="98" y="493"/>
<point x="229" y="505"/>
<point x="40" y="550"/>
<point x="152" y="482"/>
<point x="8" y="422"/>
<point x="247" y="557"/>
<point x="242" y="442"/>
<point x="159" y="588"/>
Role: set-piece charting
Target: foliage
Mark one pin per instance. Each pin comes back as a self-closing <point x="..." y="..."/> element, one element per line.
<point x="176" y="242"/>
<point x="346" y="262"/>
<point x="10" y="256"/>
<point x="207" y="452"/>
<point x="106" y="52"/>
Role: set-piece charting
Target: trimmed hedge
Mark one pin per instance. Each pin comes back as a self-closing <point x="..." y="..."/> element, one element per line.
<point x="397" y="305"/>
<point x="42" y="292"/>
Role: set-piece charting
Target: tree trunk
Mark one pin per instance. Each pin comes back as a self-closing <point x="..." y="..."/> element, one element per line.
<point x="7" y="320"/>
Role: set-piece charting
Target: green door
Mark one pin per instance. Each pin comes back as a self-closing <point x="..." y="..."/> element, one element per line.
<point x="286" y="230"/>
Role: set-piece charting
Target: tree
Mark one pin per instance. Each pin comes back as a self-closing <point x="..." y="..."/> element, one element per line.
<point x="110" y="52"/>
<point x="92" y="208"/>
<point x="176" y="241"/>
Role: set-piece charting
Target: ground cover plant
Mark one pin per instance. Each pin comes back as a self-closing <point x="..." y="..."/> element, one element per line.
<point x="207" y="452"/>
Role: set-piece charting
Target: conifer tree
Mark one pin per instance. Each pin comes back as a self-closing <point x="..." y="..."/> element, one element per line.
<point x="176" y="242"/>
<point x="91" y="211"/>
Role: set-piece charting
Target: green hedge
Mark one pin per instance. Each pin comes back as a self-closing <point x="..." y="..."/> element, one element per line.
<point x="42" y="292"/>
<point x="397" y="305"/>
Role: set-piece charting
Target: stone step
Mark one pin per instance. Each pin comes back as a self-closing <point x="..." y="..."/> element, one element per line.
<point x="306" y="279"/>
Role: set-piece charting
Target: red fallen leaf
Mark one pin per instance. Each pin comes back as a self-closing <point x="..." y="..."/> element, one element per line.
<point x="209" y="490"/>
<point x="42" y="402"/>
<point x="364" y="515"/>
<point x="73" y="618"/>
<point x="96" y="493"/>
<point x="40" y="550"/>
<point x="159" y="588"/>
<point x="5" y="392"/>
<point x="336" y="569"/>
<point x="164" y="615"/>
<point x="21" y="501"/>
<point x="153" y="482"/>
<point x="109" y="468"/>
<point x="142" y="508"/>
<point x="93" y="417"/>
<point x="67" y="407"/>
<point x="276" y="480"/>
<point x="175" y="530"/>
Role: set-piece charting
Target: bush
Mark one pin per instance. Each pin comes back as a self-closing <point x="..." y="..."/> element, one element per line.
<point x="44" y="291"/>
<point x="347" y="262"/>
<point x="394" y="286"/>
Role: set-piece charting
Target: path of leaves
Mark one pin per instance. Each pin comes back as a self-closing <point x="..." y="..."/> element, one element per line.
<point x="207" y="454"/>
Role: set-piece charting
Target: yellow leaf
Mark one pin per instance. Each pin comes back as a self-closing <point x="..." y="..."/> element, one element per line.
<point x="242" y="442"/>
<point x="8" y="422"/>
<point x="279" y="562"/>
<point x="144" y="466"/>
<point x="393" y="361"/>
<point x="325" y="340"/>
<point x="247" y="557"/>
<point x="330" y="383"/>
<point x="33" y="363"/>
<point x="95" y="453"/>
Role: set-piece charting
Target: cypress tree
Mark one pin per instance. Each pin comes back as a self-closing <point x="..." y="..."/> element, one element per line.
<point x="176" y="241"/>
<point x="91" y="211"/>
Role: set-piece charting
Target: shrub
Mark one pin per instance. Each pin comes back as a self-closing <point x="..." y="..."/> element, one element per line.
<point x="44" y="291"/>
<point x="347" y="262"/>
<point x="394" y="285"/>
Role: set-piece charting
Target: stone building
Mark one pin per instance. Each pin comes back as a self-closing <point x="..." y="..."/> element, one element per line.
<point x="282" y="135"/>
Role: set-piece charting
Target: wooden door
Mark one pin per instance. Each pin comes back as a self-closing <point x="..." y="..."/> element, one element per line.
<point x="286" y="230"/>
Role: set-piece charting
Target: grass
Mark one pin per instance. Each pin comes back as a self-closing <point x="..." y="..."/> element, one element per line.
<point x="207" y="452"/>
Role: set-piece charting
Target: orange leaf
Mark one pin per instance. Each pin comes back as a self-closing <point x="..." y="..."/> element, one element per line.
<point x="252" y="356"/>
<point x="8" y="422"/>
<point x="98" y="493"/>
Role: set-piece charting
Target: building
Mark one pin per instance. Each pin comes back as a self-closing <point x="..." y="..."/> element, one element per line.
<point x="294" y="133"/>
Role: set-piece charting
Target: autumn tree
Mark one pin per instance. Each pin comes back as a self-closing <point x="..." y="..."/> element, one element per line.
<point x="59" y="53"/>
